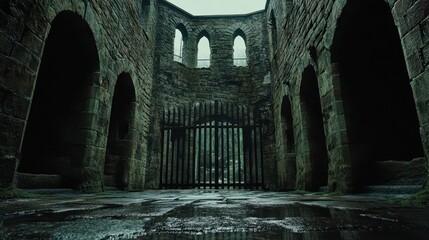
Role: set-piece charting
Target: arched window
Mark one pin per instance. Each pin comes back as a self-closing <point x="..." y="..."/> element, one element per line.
<point x="273" y="32"/>
<point x="178" y="46"/>
<point x="204" y="53"/>
<point x="145" y="10"/>
<point x="240" y="57"/>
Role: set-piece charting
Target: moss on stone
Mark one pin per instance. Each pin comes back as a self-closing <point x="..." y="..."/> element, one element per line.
<point x="420" y="199"/>
<point x="12" y="193"/>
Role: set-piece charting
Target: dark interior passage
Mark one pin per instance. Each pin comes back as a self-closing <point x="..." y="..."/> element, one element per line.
<point x="313" y="128"/>
<point x="69" y="60"/>
<point x="120" y="140"/>
<point x="289" y="147"/>
<point x="380" y="109"/>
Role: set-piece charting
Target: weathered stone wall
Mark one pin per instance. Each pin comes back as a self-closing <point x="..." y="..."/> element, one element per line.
<point x="116" y="26"/>
<point x="180" y="84"/>
<point x="136" y="37"/>
<point x="305" y="34"/>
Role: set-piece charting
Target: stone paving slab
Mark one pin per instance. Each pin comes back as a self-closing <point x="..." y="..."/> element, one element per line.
<point x="208" y="214"/>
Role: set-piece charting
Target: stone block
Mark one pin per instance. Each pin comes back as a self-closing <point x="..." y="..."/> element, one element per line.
<point x="6" y="44"/>
<point x="424" y="133"/>
<point x="37" y="181"/>
<point x="11" y="133"/>
<point x="33" y="43"/>
<point x="14" y="105"/>
<point x="424" y="29"/>
<point x="414" y="64"/>
<point x="416" y="14"/>
<point x="8" y="166"/>
<point x="425" y="53"/>
<point x="16" y="77"/>
<point x="26" y="57"/>
<point x="421" y="97"/>
<point x="401" y="7"/>
<point x="11" y="26"/>
<point x="412" y="41"/>
<point x="401" y="172"/>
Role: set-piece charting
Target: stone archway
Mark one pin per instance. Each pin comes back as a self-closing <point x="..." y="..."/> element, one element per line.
<point x="55" y="137"/>
<point x="314" y="173"/>
<point x="381" y="118"/>
<point x="120" y="143"/>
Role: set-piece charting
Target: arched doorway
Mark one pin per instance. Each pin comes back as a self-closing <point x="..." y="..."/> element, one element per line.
<point x="54" y="138"/>
<point x="120" y="142"/>
<point x="315" y="152"/>
<point x="289" y="148"/>
<point x="381" y="118"/>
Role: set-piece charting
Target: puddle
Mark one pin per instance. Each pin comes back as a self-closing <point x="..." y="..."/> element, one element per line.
<point x="223" y="217"/>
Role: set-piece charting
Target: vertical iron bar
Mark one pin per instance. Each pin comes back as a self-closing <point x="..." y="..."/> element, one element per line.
<point x="172" y="148"/>
<point x="167" y="150"/>
<point x="255" y="146"/>
<point x="222" y="146"/>
<point x="238" y="146"/>
<point x="216" y="143"/>
<point x="178" y="132"/>
<point x="205" y="145"/>
<point x="199" y="145"/>
<point x="194" y="152"/>
<point x="249" y="129"/>
<point x="233" y="144"/>
<point x="244" y="147"/>
<point x="228" y="124"/>
<point x="262" y="148"/>
<point x="210" y="146"/>
<point x="162" y="148"/>
<point x="182" y="183"/>
<point x="188" y="167"/>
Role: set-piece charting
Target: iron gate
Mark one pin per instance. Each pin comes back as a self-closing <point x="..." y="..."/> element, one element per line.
<point x="212" y="145"/>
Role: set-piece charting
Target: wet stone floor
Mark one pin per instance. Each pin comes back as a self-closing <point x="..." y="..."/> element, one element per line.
<point x="208" y="214"/>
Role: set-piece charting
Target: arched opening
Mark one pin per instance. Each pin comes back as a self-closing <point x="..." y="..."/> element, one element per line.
<point x="178" y="46"/>
<point x="120" y="138"/>
<point x="382" y="123"/>
<point x="289" y="149"/>
<point x="240" y="55"/>
<point x="316" y="155"/>
<point x="55" y="139"/>
<point x="273" y="32"/>
<point x="204" y="51"/>
<point x="145" y="11"/>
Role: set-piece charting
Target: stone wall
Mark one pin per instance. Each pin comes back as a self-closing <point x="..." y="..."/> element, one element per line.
<point x="292" y="47"/>
<point x="180" y="84"/>
<point x="115" y="26"/>
<point x="306" y="34"/>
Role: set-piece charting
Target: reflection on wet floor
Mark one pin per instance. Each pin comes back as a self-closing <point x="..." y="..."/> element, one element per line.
<point x="209" y="215"/>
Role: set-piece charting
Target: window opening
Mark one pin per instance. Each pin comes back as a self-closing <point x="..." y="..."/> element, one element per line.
<point x="240" y="58"/>
<point x="178" y="46"/>
<point x="204" y="53"/>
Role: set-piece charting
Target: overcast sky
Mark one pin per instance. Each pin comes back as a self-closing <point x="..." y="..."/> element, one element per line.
<point x="219" y="7"/>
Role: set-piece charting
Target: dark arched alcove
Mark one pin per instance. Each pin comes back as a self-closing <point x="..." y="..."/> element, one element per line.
<point x="69" y="62"/>
<point x="313" y="130"/>
<point x="289" y="147"/>
<point x="381" y="116"/>
<point x="273" y="32"/>
<point x="120" y="139"/>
